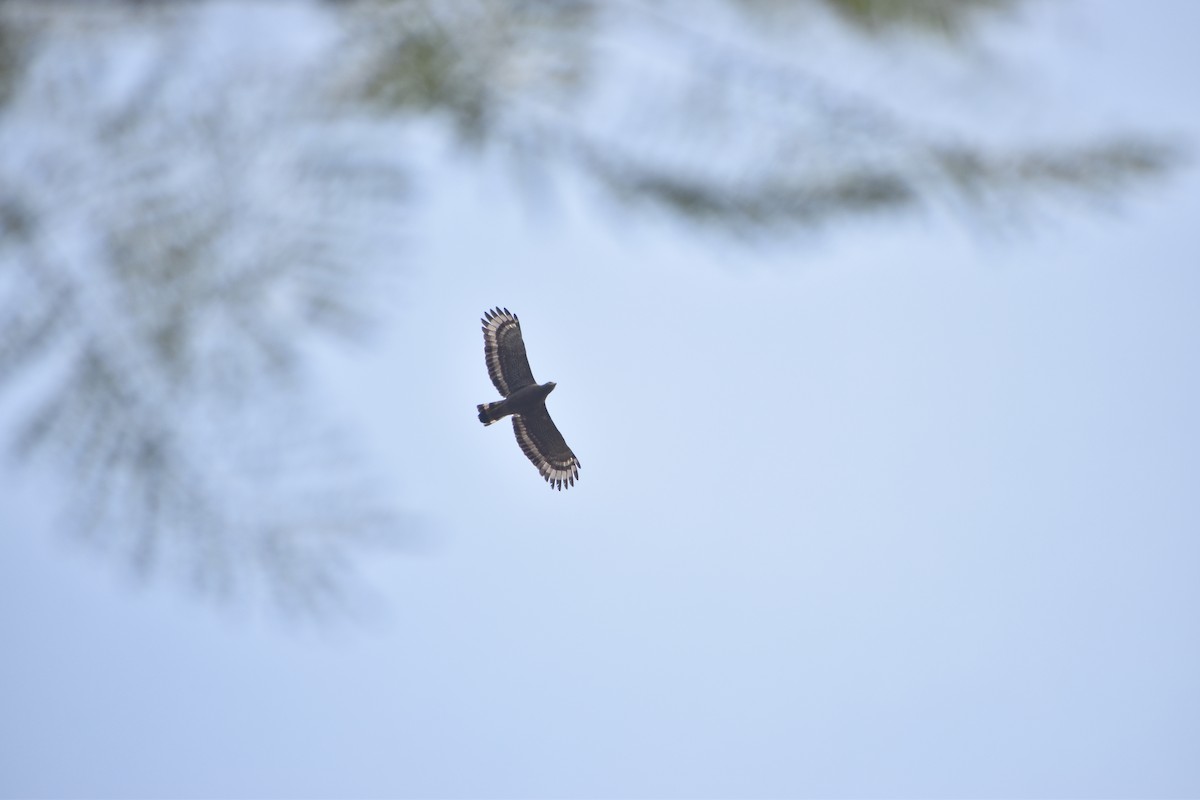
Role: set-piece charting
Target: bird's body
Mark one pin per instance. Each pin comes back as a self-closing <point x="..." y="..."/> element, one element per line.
<point x="524" y="399"/>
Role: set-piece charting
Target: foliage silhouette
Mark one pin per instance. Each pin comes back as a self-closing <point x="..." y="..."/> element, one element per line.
<point x="177" y="224"/>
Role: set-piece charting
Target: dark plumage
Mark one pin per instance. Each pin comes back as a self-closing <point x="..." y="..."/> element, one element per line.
<point x="524" y="399"/>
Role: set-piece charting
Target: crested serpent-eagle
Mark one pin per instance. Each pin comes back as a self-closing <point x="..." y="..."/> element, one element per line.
<point x="524" y="399"/>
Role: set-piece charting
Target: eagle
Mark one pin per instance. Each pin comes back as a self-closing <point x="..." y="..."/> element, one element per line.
<point x="524" y="399"/>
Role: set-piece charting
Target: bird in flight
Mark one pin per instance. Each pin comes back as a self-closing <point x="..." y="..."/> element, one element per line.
<point x="524" y="399"/>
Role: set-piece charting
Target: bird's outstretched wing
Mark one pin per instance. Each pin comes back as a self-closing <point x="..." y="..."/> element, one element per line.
<point x="504" y="351"/>
<point x="545" y="447"/>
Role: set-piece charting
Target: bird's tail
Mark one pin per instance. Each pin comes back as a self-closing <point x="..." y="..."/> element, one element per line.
<point x="490" y="412"/>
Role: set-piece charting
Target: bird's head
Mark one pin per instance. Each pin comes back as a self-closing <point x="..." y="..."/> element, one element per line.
<point x="549" y="386"/>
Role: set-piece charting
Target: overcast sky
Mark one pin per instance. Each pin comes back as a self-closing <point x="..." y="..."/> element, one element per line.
<point x="903" y="508"/>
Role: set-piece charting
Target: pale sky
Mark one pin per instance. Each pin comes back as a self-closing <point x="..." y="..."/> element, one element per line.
<point x="905" y="508"/>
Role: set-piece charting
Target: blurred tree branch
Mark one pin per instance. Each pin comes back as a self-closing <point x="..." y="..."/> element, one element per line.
<point x="950" y="18"/>
<point x="708" y="128"/>
<point x="179" y="211"/>
<point x="171" y="236"/>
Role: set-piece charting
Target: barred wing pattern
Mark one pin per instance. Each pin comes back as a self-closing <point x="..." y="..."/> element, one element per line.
<point x="504" y="350"/>
<point x="545" y="447"/>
